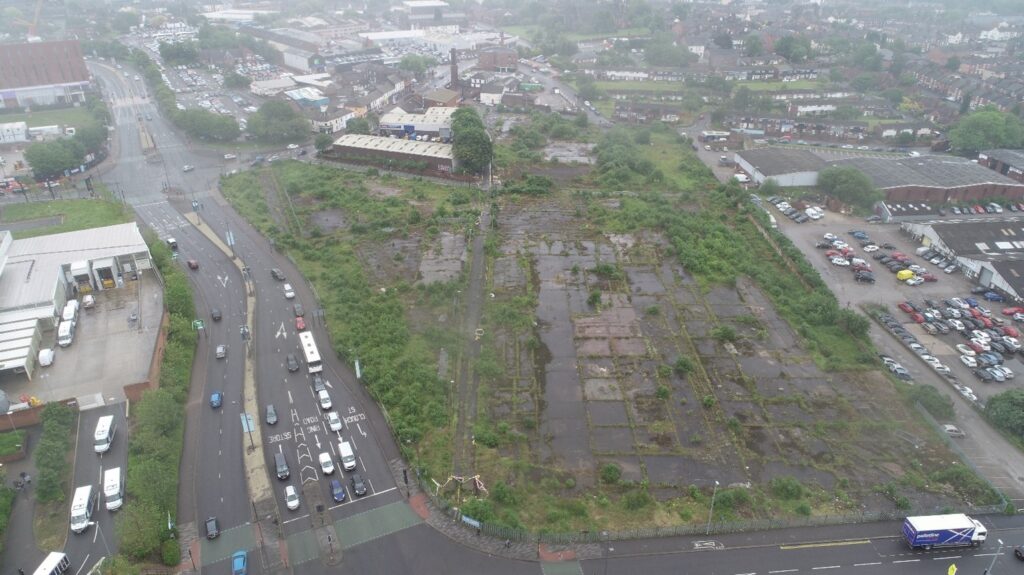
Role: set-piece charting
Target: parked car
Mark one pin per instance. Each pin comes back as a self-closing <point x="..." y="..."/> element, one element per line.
<point x="358" y="486"/>
<point x="993" y="296"/>
<point x="337" y="491"/>
<point x="291" y="497"/>
<point x="969" y="361"/>
<point x="239" y="563"/>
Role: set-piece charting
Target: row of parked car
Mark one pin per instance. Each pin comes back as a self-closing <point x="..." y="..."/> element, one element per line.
<point x="990" y="208"/>
<point x="842" y="254"/>
<point x="798" y="216"/>
<point x="912" y="343"/>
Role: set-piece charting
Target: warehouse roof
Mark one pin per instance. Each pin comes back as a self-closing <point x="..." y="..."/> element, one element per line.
<point x="435" y="115"/>
<point x="941" y="172"/>
<point x="33" y="265"/>
<point x="986" y="239"/>
<point x="396" y="146"/>
<point x="777" y="161"/>
<point x="1009" y="157"/>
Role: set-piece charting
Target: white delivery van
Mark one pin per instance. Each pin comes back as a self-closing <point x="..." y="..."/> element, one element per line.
<point x="70" y="312"/>
<point x="65" y="333"/>
<point x="113" y="488"/>
<point x="104" y="434"/>
<point x="81" y="508"/>
<point x="348" y="459"/>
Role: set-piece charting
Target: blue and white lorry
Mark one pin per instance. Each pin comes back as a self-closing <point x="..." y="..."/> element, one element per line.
<point x="953" y="530"/>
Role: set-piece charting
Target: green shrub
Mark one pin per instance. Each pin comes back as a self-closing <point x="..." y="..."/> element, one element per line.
<point x="611" y="474"/>
<point x="786" y="488"/>
<point x="52" y="452"/>
<point x="637" y="499"/>
<point x="7" y="496"/>
<point x="803" y="509"/>
<point x="724" y="333"/>
<point x="479" y="509"/>
<point x="170" y="553"/>
<point x="708" y="401"/>
<point x="663" y="392"/>
<point x="936" y="403"/>
<point x="664" y="370"/>
<point x="683" y="366"/>
<point x="594" y="299"/>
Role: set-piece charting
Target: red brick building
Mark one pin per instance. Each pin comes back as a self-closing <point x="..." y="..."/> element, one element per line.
<point x="498" y="59"/>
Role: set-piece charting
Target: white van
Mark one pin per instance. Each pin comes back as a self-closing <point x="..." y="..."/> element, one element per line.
<point x="113" y="488"/>
<point x="81" y="509"/>
<point x="921" y="250"/>
<point x="348" y="459"/>
<point x="104" y="434"/>
<point x="65" y="333"/>
<point x="70" y="312"/>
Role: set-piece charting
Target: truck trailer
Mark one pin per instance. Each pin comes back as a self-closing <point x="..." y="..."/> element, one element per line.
<point x="953" y="530"/>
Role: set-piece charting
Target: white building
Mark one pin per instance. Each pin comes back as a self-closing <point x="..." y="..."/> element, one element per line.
<point x="13" y="132"/>
<point x="789" y="168"/>
<point x="435" y="121"/>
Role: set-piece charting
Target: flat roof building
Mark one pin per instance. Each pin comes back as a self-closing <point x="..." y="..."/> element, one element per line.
<point x="934" y="179"/>
<point x="434" y="121"/>
<point x="394" y="153"/>
<point x="789" y="168"/>
<point x="42" y="74"/>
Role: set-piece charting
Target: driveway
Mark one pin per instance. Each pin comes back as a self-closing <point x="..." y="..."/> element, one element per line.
<point x="999" y="461"/>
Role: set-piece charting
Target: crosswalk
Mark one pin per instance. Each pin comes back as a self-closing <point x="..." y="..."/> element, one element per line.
<point x="163" y="218"/>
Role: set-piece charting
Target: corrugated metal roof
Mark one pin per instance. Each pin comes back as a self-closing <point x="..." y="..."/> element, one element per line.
<point x="397" y="146"/>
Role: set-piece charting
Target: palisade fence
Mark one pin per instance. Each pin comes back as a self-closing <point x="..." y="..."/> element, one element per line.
<point x="716" y="527"/>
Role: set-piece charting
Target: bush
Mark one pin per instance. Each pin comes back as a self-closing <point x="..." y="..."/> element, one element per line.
<point x="7" y="496"/>
<point x="663" y="392"/>
<point x="683" y="366"/>
<point x="724" y="333"/>
<point x="10" y="442"/>
<point x="611" y="474"/>
<point x="170" y="553"/>
<point x="936" y="403"/>
<point x="787" y="488"/>
<point x="803" y="509"/>
<point x="52" y="452"/>
<point x="637" y="499"/>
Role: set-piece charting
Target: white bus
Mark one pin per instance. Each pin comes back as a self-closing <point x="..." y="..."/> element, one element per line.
<point x="81" y="508"/>
<point x="104" y="434"/>
<point x="54" y="564"/>
<point x="309" y="350"/>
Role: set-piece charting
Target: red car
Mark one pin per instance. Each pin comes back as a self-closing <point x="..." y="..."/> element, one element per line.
<point x="917" y="317"/>
<point x="906" y="307"/>
<point x="860" y="268"/>
<point x="977" y="348"/>
<point x="1011" y="331"/>
<point x="833" y="254"/>
<point x="1012" y="310"/>
<point x="300" y="324"/>
<point x="847" y="251"/>
<point x="897" y="255"/>
<point x="975" y="313"/>
<point x="193" y="265"/>
<point x="978" y="209"/>
<point x="929" y="278"/>
<point x="988" y="323"/>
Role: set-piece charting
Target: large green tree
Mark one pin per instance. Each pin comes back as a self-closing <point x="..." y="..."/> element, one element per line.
<point x="50" y="159"/>
<point x="848" y="185"/>
<point x="180" y="52"/>
<point x="472" y="148"/>
<point x="1006" y="411"/>
<point x="986" y="128"/>
<point x="793" y="48"/>
<point x="208" y="126"/>
<point x="357" y="126"/>
<point x="416" y="65"/>
<point x="278" y="122"/>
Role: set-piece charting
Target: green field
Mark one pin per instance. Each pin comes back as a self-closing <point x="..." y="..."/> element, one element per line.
<point x="639" y="86"/>
<point x="75" y="214"/>
<point x="65" y="117"/>
<point x="779" y="86"/>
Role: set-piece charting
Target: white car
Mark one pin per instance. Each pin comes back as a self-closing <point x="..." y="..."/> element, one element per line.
<point x="953" y="431"/>
<point x="918" y="348"/>
<point x="230" y="156"/>
<point x="46" y="357"/>
<point x="841" y="262"/>
<point x="950" y="268"/>
<point x="978" y="334"/>
<point x="969" y="361"/>
<point x="289" y="293"/>
<point x="291" y="498"/>
<point x="1018" y="317"/>
<point x="333" y="421"/>
<point x="839" y="244"/>
<point x="1004" y="370"/>
<point x="957" y="324"/>
<point x="983" y="344"/>
<point x="326" y="463"/>
<point x="984" y="311"/>
<point x="293" y="146"/>
<point x="943" y="369"/>
<point x="915" y="281"/>
<point x="187" y="168"/>
<point x="917" y="269"/>
<point x="871" y="248"/>
<point x="961" y="303"/>
<point x="831" y="237"/>
<point x="954" y="312"/>
<point x="965" y="350"/>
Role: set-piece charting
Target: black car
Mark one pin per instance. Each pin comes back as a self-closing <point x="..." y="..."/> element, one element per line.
<point x="879" y="256"/>
<point x="998" y="346"/>
<point x="318" y="384"/>
<point x="801" y="219"/>
<point x="885" y="260"/>
<point x="983" y="375"/>
<point x="299" y="311"/>
<point x="292" y="362"/>
<point x="866" y="277"/>
<point x="215" y="314"/>
<point x="888" y="246"/>
<point x="823" y="245"/>
<point x="277" y="274"/>
<point x="978" y="290"/>
<point x="358" y="487"/>
<point x="212" y="529"/>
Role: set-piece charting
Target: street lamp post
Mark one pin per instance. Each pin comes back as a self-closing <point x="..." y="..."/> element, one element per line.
<point x="711" y="512"/>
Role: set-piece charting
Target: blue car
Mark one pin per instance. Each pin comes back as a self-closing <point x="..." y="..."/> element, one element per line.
<point x="993" y="296"/>
<point x="971" y="301"/>
<point x="337" y="491"/>
<point x="239" y="563"/>
<point x="216" y="399"/>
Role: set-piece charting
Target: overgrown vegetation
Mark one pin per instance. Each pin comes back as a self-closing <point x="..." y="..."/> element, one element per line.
<point x="154" y="449"/>
<point x="11" y="442"/>
<point x="52" y="471"/>
<point x="74" y="215"/>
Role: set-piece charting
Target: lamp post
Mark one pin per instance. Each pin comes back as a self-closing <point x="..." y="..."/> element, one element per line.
<point x="711" y="512"/>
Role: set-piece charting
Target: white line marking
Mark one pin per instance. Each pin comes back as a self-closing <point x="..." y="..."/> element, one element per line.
<point x="784" y="571"/>
<point x="867" y="564"/>
<point x="84" y="563"/>
<point x="826" y="567"/>
<point x="294" y="519"/>
<point x="906" y="561"/>
<point x="944" y="558"/>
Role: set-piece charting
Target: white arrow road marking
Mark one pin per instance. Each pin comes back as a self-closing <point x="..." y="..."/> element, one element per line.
<point x="281" y="332"/>
<point x="223" y="280"/>
<point x="317" y="438"/>
<point x="360" y="430"/>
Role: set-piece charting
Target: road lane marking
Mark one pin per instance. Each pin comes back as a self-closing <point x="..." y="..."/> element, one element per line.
<point x="867" y="564"/>
<point x="906" y="561"/>
<point x="784" y="571"/>
<point x="825" y="567"/>
<point x="944" y="558"/>
<point x="295" y="519"/>
<point x="826" y="544"/>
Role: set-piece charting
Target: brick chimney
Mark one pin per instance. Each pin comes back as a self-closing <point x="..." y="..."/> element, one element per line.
<point x="453" y="60"/>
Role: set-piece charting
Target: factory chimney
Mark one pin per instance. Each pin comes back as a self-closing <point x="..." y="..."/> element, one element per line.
<point x="453" y="60"/>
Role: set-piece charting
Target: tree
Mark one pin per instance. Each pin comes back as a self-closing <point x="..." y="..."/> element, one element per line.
<point x="965" y="104"/>
<point x="905" y="139"/>
<point x="323" y="142"/>
<point x="986" y="128"/>
<point x="357" y="126"/>
<point x="91" y="136"/>
<point x="51" y="159"/>
<point x="848" y="185"/>
<point x="179" y="53"/>
<point x="846" y="112"/>
<point x="753" y="46"/>
<point x="123" y="21"/>
<point x="277" y="122"/>
<point x="894" y="95"/>
<point x="662" y="51"/>
<point x="723" y="40"/>
<point x="864" y="82"/>
<point x="587" y="89"/>
<point x="898" y="64"/>
<point x="1006" y="411"/>
<point x="769" y="188"/>
<point x="473" y="150"/>
<point x="793" y="48"/>
<point x="953" y="63"/>
<point x="416" y="65"/>
<point x="233" y="79"/>
<point x="207" y="126"/>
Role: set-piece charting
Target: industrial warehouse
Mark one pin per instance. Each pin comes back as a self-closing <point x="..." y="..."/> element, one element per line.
<point x="393" y="153"/>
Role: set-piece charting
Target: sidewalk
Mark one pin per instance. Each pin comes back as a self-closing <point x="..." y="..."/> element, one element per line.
<point x="19" y="546"/>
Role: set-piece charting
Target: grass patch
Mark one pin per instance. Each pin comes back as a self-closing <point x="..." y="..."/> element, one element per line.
<point x="65" y="117"/>
<point x="11" y="442"/>
<point x="50" y="524"/>
<point x="639" y="86"/>
<point x="7" y="496"/>
<point x="75" y="215"/>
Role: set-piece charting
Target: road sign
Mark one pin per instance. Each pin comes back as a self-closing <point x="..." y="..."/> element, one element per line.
<point x="247" y="423"/>
<point x="198" y="324"/>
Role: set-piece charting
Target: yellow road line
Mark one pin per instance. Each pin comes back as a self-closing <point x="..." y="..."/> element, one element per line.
<point x="826" y="544"/>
